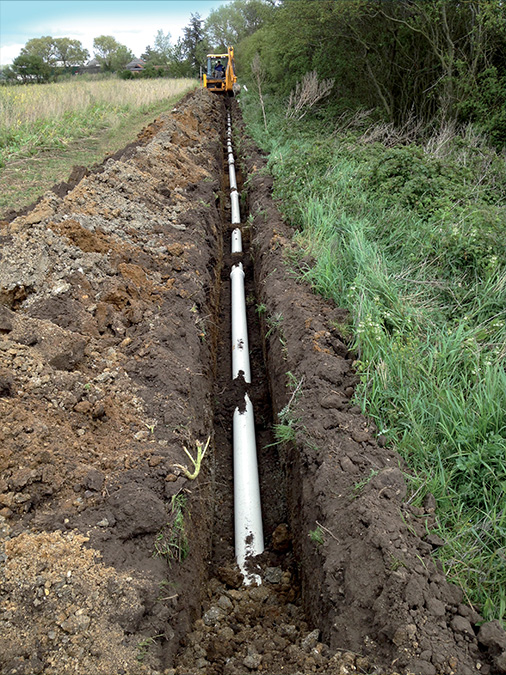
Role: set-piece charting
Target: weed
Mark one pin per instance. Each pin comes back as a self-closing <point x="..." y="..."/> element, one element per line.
<point x="410" y="240"/>
<point x="396" y="563"/>
<point x="360" y="485"/>
<point x="316" y="536"/>
<point x="261" y="309"/>
<point x="201" y="451"/>
<point x="284" y="433"/>
<point x="144" y="645"/>
<point x="171" y="542"/>
<point x="274" y="322"/>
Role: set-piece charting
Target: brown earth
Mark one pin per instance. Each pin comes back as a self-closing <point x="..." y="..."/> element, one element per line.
<point x="114" y="356"/>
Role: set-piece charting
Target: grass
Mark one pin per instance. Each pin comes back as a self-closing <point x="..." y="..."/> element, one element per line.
<point x="42" y="127"/>
<point x="411" y="239"/>
<point x="171" y="542"/>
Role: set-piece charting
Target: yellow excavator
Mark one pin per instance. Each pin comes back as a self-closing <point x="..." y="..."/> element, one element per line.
<point x="220" y="76"/>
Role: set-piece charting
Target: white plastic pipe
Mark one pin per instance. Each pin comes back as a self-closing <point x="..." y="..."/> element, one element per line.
<point x="236" y="241"/>
<point x="232" y="177"/>
<point x="236" y="211"/>
<point x="249" y="535"/>
<point x="240" y="346"/>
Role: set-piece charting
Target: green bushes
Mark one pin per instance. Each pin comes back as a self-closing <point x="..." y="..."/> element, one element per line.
<point x="412" y="240"/>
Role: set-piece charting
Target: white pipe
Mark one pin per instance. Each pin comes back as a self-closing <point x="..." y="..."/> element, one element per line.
<point x="236" y="211"/>
<point x="236" y="241"/>
<point x="231" y="159"/>
<point x="240" y="346"/>
<point x="249" y="536"/>
<point x="232" y="178"/>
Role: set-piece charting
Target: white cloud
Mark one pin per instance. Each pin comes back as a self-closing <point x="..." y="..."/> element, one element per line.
<point x="9" y="52"/>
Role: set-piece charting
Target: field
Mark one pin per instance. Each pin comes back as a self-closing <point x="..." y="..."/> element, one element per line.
<point x="42" y="127"/>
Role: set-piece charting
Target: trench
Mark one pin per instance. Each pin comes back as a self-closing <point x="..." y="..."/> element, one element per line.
<point x="262" y="627"/>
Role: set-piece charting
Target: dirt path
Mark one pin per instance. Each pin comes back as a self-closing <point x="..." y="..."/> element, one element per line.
<point x="113" y="357"/>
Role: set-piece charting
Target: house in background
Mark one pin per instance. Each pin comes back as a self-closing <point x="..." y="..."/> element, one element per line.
<point x="92" y="66"/>
<point x="135" y="66"/>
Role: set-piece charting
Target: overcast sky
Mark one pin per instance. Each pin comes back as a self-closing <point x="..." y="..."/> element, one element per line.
<point x="133" y="23"/>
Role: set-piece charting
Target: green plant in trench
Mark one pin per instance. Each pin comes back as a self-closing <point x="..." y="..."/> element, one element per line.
<point x="171" y="542"/>
<point x="316" y="536"/>
<point x="144" y="645"/>
<point x="201" y="451"/>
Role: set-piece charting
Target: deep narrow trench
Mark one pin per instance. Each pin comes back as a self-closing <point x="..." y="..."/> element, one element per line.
<point x="259" y="628"/>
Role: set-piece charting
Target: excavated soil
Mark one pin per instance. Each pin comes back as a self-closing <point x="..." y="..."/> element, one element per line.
<point x="114" y="358"/>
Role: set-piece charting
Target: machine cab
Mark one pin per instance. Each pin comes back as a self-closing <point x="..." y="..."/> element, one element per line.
<point x="220" y="73"/>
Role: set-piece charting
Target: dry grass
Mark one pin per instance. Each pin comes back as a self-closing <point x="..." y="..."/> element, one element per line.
<point x="26" y="104"/>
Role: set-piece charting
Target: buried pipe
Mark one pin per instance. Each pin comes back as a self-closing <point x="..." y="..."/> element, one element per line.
<point x="249" y="535"/>
<point x="236" y="211"/>
<point x="240" y="346"/>
<point x="236" y="241"/>
<point x="248" y="529"/>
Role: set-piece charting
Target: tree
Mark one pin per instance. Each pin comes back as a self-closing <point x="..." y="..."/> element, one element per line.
<point x="110" y="53"/>
<point x="30" y="68"/>
<point x="161" y="52"/>
<point x="43" y="48"/>
<point x="69" y="52"/>
<point x="194" y="43"/>
<point x="229" y="24"/>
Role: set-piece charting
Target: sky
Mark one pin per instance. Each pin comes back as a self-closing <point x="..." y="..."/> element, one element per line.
<point x="133" y="23"/>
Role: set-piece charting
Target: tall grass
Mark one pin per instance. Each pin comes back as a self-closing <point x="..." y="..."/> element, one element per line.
<point x="37" y="117"/>
<point x="412" y="239"/>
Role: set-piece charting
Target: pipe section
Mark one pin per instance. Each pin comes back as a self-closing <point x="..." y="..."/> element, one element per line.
<point x="249" y="536"/>
<point x="236" y="241"/>
<point x="236" y="210"/>
<point x="240" y="346"/>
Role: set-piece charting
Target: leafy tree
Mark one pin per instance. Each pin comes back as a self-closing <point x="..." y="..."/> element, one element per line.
<point x="30" y="68"/>
<point x="194" y="43"/>
<point x="229" y="24"/>
<point x="110" y="53"/>
<point x="43" y="48"/>
<point x="69" y="52"/>
<point x="161" y="53"/>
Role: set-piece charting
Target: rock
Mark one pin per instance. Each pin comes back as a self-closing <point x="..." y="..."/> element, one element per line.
<point x="421" y="667"/>
<point x="252" y="661"/>
<point x="436" y="607"/>
<point x="6" y="316"/>
<point x="281" y="538"/>
<point x="226" y="604"/>
<point x="500" y="663"/>
<point x="213" y="616"/>
<point x="6" y="384"/>
<point x="94" y="480"/>
<point x="137" y="510"/>
<point x="434" y="540"/>
<point x="259" y="593"/>
<point x="310" y="640"/>
<point x="492" y="635"/>
<point x="273" y="575"/>
<point x="230" y="576"/>
<point x="390" y="483"/>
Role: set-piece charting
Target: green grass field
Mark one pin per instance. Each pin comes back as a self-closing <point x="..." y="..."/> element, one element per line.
<point x="411" y="238"/>
<point x="42" y="128"/>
